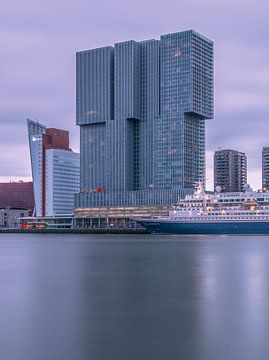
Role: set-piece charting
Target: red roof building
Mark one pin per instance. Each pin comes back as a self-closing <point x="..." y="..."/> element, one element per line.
<point x="17" y="194"/>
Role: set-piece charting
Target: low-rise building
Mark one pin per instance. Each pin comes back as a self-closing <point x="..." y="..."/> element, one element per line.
<point x="17" y="195"/>
<point x="46" y="222"/>
<point x="9" y="217"/>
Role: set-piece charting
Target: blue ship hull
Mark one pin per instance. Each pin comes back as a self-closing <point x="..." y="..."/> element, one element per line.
<point x="229" y="227"/>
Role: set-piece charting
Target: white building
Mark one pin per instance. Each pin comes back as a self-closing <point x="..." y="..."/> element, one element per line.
<point x="62" y="181"/>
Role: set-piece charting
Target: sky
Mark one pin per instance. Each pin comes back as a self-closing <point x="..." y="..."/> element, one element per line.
<point x="39" y="40"/>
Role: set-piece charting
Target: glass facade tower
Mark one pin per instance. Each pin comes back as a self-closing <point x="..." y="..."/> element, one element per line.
<point x="141" y="108"/>
<point x="55" y="170"/>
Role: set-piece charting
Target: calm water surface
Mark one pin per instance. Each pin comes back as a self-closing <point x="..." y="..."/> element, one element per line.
<point x="134" y="297"/>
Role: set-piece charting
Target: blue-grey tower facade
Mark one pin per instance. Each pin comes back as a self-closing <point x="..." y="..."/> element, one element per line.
<point x="141" y="108"/>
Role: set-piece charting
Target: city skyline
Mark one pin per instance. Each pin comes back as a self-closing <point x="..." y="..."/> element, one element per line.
<point x="37" y="84"/>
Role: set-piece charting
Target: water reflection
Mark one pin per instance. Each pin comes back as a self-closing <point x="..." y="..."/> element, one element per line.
<point x="114" y="297"/>
<point x="233" y="305"/>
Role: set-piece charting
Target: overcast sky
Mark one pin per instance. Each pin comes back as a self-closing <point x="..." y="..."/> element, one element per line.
<point x="39" y="39"/>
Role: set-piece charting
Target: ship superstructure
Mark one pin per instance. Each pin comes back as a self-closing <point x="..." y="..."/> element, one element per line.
<point x="240" y="212"/>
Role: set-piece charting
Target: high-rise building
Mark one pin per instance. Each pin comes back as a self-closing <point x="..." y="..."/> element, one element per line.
<point x="265" y="168"/>
<point x="55" y="170"/>
<point x="62" y="181"/>
<point x="141" y="108"/>
<point x="230" y="170"/>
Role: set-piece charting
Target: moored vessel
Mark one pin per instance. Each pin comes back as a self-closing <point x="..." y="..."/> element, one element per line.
<point x="219" y="213"/>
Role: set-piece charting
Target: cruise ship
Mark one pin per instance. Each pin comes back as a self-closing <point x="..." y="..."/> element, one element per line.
<point x="217" y="213"/>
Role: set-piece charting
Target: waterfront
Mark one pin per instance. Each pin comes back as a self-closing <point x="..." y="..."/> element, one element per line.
<point x="132" y="297"/>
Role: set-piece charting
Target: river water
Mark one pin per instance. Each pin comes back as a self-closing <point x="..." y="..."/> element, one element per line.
<point x="134" y="297"/>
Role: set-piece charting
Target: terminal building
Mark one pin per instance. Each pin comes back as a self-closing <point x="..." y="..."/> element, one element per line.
<point x="230" y="170"/>
<point x="55" y="170"/>
<point x="141" y="108"/>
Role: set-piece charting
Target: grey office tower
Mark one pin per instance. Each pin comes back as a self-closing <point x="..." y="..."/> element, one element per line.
<point x="265" y="168"/>
<point x="141" y="108"/>
<point x="230" y="170"/>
